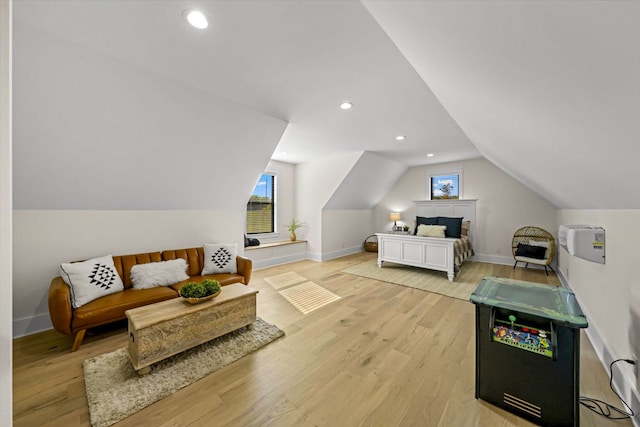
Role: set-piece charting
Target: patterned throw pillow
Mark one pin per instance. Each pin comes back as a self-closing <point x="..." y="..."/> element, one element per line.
<point x="90" y="280"/>
<point x="464" y="231"/>
<point x="220" y="258"/>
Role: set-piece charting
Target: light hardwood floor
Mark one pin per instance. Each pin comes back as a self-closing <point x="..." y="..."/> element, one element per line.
<point x="382" y="355"/>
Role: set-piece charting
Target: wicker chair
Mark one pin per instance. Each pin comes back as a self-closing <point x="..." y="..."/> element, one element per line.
<point x="534" y="236"/>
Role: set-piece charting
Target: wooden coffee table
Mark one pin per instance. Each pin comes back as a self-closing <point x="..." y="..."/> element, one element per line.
<point x="160" y="330"/>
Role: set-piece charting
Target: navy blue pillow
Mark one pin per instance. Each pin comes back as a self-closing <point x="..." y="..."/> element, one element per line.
<point x="422" y="220"/>
<point x="454" y="226"/>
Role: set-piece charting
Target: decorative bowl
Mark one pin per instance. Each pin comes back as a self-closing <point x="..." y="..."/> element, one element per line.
<point x="191" y="300"/>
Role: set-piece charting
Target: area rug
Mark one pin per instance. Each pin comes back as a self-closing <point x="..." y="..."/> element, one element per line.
<point x="419" y="278"/>
<point x="308" y="296"/>
<point x="115" y="391"/>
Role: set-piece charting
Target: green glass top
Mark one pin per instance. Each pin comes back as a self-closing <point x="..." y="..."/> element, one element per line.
<point x="551" y="302"/>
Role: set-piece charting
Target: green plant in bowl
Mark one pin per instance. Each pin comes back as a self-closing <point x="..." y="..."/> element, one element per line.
<point x="211" y="286"/>
<point x="200" y="290"/>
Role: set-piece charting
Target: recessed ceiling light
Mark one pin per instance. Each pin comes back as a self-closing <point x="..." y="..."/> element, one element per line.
<point x="197" y="19"/>
<point x="346" y="105"/>
<point x="430" y="155"/>
<point x="400" y="138"/>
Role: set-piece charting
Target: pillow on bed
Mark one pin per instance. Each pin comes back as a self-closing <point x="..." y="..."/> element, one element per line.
<point x="454" y="226"/>
<point x="530" y="251"/>
<point x="464" y="231"/>
<point x="431" y="230"/>
<point x="425" y="221"/>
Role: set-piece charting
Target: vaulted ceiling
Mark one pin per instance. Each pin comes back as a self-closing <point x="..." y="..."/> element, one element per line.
<point x="548" y="91"/>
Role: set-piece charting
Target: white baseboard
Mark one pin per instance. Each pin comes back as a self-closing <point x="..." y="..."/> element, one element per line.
<point x="314" y="256"/>
<point x="623" y="378"/>
<point x="342" y="252"/>
<point x="271" y="262"/>
<point x="31" y="325"/>
<point x="319" y="257"/>
<point x="506" y="260"/>
<point x="494" y="259"/>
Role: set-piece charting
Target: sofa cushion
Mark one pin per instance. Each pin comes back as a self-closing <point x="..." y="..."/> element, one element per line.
<point x="220" y="258"/>
<point x="163" y="273"/>
<point x="91" y="279"/>
<point x="112" y="307"/>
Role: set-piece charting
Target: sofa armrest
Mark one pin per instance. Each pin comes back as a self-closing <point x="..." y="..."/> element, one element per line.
<point x="60" y="309"/>
<point x="245" y="268"/>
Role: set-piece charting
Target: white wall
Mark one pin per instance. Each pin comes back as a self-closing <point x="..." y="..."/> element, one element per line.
<point x="6" y="343"/>
<point x="315" y="184"/>
<point x="269" y="256"/>
<point x="503" y="206"/>
<point x="344" y="231"/>
<point x="45" y="239"/>
<point x="609" y="293"/>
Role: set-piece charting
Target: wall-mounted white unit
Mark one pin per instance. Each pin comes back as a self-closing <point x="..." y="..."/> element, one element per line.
<point x="583" y="241"/>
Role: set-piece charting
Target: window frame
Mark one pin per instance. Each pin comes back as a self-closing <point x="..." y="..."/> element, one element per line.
<point x="274" y="202"/>
<point x="459" y="171"/>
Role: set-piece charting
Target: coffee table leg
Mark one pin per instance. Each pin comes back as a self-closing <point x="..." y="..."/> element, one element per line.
<point x="144" y="371"/>
<point x="250" y="327"/>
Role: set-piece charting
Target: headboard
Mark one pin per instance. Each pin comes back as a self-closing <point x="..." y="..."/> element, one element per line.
<point x="452" y="208"/>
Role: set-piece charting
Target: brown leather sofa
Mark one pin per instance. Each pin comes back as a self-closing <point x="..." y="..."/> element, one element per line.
<point x="111" y="308"/>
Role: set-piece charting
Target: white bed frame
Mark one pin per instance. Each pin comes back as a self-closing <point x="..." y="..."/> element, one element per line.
<point x="428" y="252"/>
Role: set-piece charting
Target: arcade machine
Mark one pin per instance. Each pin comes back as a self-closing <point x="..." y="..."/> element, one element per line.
<point x="528" y="349"/>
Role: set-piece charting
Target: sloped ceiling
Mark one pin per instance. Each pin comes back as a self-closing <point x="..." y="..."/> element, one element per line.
<point x="368" y="181"/>
<point x="92" y="132"/>
<point x="549" y="91"/>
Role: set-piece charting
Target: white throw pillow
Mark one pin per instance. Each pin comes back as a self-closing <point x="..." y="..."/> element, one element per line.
<point x="220" y="258"/>
<point x="163" y="273"/>
<point x="91" y="279"/>
<point x="431" y="230"/>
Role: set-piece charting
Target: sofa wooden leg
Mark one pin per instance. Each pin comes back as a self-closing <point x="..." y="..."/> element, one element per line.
<point x="78" y="340"/>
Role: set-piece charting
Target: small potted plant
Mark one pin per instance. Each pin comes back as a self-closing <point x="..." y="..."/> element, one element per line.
<point x="405" y="228"/>
<point x="195" y="292"/>
<point x="292" y="227"/>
